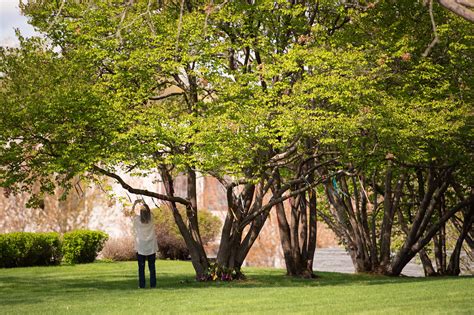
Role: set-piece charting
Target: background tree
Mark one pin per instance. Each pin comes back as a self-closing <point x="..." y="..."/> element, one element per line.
<point x="414" y="126"/>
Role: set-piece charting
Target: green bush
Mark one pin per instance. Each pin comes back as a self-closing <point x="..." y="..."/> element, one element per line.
<point x="82" y="246"/>
<point x="21" y="249"/>
<point x="171" y="244"/>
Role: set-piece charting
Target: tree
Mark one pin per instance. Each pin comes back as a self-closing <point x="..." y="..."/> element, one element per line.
<point x="120" y="114"/>
<point x="406" y="141"/>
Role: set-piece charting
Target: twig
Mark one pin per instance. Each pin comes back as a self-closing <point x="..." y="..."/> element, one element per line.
<point x="55" y="17"/>
<point x="208" y="12"/>
<point x="118" y="34"/>
<point x="210" y="9"/>
<point x="179" y="24"/>
<point x="433" y="24"/>
<point x="161" y="97"/>
<point x="149" y="20"/>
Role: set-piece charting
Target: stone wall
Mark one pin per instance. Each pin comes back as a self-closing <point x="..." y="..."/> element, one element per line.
<point x="93" y="208"/>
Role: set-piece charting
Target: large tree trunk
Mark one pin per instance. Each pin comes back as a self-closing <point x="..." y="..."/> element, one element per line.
<point x="391" y="204"/>
<point x="349" y="221"/>
<point x="235" y="244"/>
<point x="313" y="229"/>
<point x="386" y="229"/>
<point x="285" y="239"/>
<point x="415" y="239"/>
<point x="190" y="233"/>
<point x="298" y="238"/>
<point x="192" y="216"/>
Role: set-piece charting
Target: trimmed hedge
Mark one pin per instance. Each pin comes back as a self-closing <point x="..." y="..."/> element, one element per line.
<point x="82" y="246"/>
<point x="22" y="249"/>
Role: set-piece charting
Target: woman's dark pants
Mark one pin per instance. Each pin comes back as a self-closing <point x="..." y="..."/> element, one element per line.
<point x="141" y="269"/>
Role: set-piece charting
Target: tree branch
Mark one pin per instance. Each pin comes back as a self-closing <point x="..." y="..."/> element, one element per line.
<point x="162" y="97"/>
<point x="273" y="201"/>
<point x="460" y="8"/>
<point x="435" y="227"/>
<point x="138" y="191"/>
<point x="55" y="18"/>
<point x="433" y="24"/>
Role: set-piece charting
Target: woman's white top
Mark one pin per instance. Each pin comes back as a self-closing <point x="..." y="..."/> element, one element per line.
<point x="145" y="237"/>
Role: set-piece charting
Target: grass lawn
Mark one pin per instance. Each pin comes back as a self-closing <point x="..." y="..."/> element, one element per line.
<point x="111" y="288"/>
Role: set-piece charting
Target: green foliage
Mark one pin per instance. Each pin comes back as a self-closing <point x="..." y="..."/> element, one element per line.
<point x="170" y="242"/>
<point x="359" y="88"/>
<point x="422" y="104"/>
<point x="21" y="249"/>
<point x="82" y="246"/>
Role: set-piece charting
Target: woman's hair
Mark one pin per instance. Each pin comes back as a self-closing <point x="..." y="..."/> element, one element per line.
<point x="145" y="214"/>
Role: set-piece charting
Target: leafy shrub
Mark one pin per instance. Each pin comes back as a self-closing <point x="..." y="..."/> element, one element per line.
<point x="171" y="244"/>
<point x="119" y="249"/>
<point x="82" y="246"/>
<point x="21" y="249"/>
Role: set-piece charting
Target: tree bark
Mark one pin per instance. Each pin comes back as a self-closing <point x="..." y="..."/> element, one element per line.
<point x="459" y="7"/>
<point x="453" y="268"/>
<point x="298" y="239"/>
<point x="386" y="229"/>
<point x="427" y="265"/>
<point x="196" y="250"/>
<point x="409" y="251"/>
<point x="313" y="229"/>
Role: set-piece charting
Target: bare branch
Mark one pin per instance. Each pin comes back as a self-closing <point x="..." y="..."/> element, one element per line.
<point x="150" y="18"/>
<point x="466" y="3"/>
<point x="180" y="21"/>
<point x="162" y="97"/>
<point x="53" y="22"/>
<point x="275" y="200"/>
<point x="138" y="191"/>
<point x="435" y="227"/>
<point x="433" y="24"/>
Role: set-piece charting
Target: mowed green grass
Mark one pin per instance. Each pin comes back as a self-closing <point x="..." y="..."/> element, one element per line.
<point x="111" y="288"/>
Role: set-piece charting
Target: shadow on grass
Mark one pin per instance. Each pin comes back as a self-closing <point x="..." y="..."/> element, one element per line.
<point x="259" y="280"/>
<point x="335" y="279"/>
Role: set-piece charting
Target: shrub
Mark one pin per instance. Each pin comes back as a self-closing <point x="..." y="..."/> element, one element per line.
<point x="82" y="246"/>
<point x="119" y="249"/>
<point x="21" y="249"/>
<point x="171" y="244"/>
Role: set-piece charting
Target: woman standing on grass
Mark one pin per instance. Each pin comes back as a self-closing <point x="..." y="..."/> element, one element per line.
<point x="145" y="242"/>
